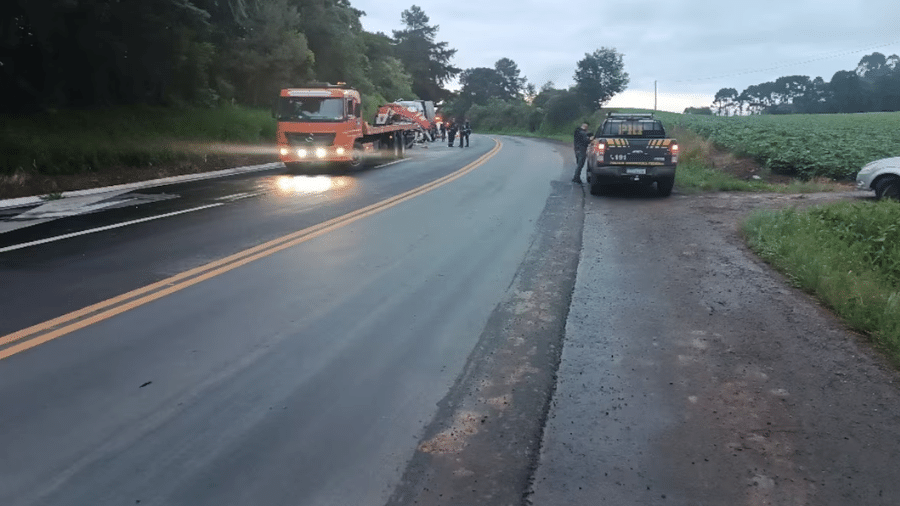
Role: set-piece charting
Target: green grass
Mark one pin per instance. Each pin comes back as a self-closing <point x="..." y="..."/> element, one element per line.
<point x="694" y="176"/>
<point x="846" y="254"/>
<point x="72" y="141"/>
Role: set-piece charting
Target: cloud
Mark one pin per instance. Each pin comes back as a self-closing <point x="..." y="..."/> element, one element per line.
<point x="692" y="48"/>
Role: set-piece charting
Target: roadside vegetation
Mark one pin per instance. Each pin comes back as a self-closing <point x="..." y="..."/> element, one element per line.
<point x="72" y="141"/>
<point x="847" y="254"/>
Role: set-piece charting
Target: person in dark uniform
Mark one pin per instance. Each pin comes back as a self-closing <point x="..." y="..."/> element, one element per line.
<point x="464" y="131"/>
<point x="451" y="133"/>
<point x="443" y="131"/>
<point x="582" y="140"/>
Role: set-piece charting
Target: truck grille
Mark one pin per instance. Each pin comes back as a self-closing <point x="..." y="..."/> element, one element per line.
<point x="310" y="139"/>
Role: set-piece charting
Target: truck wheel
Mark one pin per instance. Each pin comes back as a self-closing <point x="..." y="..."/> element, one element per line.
<point x="399" y="145"/>
<point x="664" y="186"/>
<point x="888" y="188"/>
<point x="356" y="157"/>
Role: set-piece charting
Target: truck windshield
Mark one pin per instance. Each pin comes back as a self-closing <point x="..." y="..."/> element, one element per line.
<point x="310" y="109"/>
<point x="633" y="128"/>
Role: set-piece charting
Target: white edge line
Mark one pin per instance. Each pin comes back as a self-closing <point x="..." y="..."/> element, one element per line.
<point x="101" y="229"/>
<point x="26" y="201"/>
<point x="390" y="163"/>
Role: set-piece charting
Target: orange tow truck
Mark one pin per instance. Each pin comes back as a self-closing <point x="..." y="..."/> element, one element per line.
<point x="322" y="123"/>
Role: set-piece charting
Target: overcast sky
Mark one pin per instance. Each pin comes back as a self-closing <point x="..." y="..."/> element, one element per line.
<point x="692" y="48"/>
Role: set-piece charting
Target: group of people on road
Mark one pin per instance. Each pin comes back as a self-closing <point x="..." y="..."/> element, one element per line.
<point x="453" y="128"/>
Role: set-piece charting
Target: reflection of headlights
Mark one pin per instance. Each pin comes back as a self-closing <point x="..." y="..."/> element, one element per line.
<point x="284" y="151"/>
<point x="305" y="184"/>
<point x="320" y="153"/>
<point x="301" y="153"/>
<point x="339" y="151"/>
<point x="285" y="183"/>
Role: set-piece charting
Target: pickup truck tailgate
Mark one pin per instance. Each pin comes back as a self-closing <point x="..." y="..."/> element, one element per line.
<point x="638" y="151"/>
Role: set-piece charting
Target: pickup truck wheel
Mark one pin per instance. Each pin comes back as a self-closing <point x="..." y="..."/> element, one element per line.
<point x="664" y="186"/>
<point x="888" y="188"/>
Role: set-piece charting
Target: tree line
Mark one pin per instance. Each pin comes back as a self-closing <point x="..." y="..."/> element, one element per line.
<point x="499" y="98"/>
<point x="89" y="53"/>
<point x="873" y="86"/>
<point x="102" y="53"/>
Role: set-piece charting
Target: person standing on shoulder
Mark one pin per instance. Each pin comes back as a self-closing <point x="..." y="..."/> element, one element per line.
<point x="464" y="131"/>
<point x="582" y="140"/>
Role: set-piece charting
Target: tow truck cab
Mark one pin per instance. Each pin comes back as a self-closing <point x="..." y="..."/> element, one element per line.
<point x="319" y="123"/>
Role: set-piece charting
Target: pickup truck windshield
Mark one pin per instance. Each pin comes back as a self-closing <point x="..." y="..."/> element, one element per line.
<point x="310" y="109"/>
<point x="648" y="129"/>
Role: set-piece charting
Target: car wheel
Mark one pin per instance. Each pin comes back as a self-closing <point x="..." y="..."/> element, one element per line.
<point x="597" y="189"/>
<point x="888" y="188"/>
<point x="664" y="186"/>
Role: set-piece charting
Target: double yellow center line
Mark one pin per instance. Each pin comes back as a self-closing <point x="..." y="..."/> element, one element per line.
<point x="36" y="335"/>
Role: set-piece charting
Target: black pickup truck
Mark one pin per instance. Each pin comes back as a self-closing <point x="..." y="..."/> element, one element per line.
<point x="632" y="149"/>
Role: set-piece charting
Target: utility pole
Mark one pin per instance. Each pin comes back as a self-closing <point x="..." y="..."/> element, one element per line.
<point x="654" y="95"/>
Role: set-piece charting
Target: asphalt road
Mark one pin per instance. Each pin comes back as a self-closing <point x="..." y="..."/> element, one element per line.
<point x="502" y="338"/>
<point x="307" y="376"/>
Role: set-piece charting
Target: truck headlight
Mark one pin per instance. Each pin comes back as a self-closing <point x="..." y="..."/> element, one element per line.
<point x="284" y="151"/>
<point x="339" y="151"/>
<point x="301" y="153"/>
<point x="320" y="153"/>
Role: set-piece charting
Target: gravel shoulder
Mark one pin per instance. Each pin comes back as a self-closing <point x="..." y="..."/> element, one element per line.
<point x="692" y="373"/>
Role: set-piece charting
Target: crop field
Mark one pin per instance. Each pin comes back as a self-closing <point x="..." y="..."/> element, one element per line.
<point x="834" y="146"/>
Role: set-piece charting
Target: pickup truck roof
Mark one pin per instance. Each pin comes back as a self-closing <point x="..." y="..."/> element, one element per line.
<point x="636" y="126"/>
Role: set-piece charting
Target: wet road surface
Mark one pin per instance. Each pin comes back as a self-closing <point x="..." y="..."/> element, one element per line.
<point x="306" y="376"/>
<point x="502" y="339"/>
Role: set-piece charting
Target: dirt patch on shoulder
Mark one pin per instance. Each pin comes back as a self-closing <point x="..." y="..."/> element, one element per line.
<point x="743" y="167"/>
<point x="692" y="373"/>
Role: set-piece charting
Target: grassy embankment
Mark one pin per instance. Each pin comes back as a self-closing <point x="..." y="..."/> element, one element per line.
<point x="846" y="254"/>
<point x="104" y="141"/>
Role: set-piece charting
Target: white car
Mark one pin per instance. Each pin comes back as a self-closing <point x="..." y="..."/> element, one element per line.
<point x="883" y="176"/>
